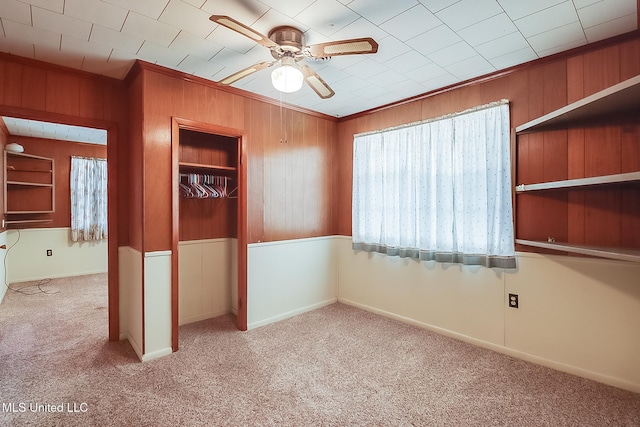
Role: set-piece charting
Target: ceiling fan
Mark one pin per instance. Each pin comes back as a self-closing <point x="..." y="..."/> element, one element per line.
<point x="288" y="48"/>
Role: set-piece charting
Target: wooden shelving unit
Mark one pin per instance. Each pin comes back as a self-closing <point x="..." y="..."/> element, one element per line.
<point x="611" y="103"/>
<point x="617" y="99"/>
<point x="29" y="187"/>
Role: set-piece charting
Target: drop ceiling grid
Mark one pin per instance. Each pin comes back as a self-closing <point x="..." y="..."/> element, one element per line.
<point x="452" y="39"/>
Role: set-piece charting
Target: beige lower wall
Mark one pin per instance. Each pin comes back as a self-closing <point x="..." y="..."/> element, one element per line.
<point x="289" y="277"/>
<point x="207" y="279"/>
<point x="577" y="315"/>
<point x="130" y="287"/>
<point x="27" y="260"/>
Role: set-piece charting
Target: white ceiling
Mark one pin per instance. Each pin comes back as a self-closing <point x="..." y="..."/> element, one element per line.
<point x="38" y="129"/>
<point x="424" y="44"/>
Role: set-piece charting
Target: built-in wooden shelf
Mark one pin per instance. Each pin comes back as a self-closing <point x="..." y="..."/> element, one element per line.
<point x="29" y="186"/>
<point x="206" y="168"/>
<point x="617" y="99"/>
<point x="621" y="178"/>
<point x="597" y="251"/>
<point x="606" y="106"/>
<point x="26" y="221"/>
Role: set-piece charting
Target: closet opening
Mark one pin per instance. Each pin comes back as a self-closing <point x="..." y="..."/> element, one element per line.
<point x="209" y="239"/>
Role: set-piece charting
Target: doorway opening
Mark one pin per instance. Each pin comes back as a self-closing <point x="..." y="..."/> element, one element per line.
<point x="40" y="214"/>
<point x="209" y="224"/>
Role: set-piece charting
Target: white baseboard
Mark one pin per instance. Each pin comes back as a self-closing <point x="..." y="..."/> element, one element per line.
<point x="157" y="354"/>
<point x="134" y="345"/>
<point x="615" y="382"/>
<point x="291" y="313"/>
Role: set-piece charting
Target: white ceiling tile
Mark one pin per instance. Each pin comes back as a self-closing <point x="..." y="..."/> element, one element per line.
<point x="452" y="54"/>
<point x="230" y="39"/>
<point x="606" y="10"/>
<point x="437" y="5"/>
<point x="411" y="23"/>
<point x="192" y="45"/>
<point x="114" y="69"/>
<point x="439" y="82"/>
<point x="19" y="47"/>
<point x="274" y="18"/>
<point x="389" y="48"/>
<point x="149" y="29"/>
<point x="108" y="37"/>
<point x="365" y="68"/>
<point x="148" y="8"/>
<point x="161" y="55"/>
<point x="371" y="91"/>
<point x="517" y="9"/>
<point x="327" y="17"/>
<point x="196" y="3"/>
<point x="187" y="18"/>
<point x="58" y="23"/>
<point x="56" y="56"/>
<point x="198" y="66"/>
<point x="514" y="58"/>
<point x="17" y="11"/>
<point x="547" y="19"/>
<point x="379" y="11"/>
<point x="552" y="39"/>
<point x="37" y="36"/>
<point x="470" y="67"/>
<point x="612" y="28"/>
<point x="51" y="5"/>
<point x="349" y="84"/>
<point x="434" y="40"/>
<point x="490" y="29"/>
<point x="408" y="61"/>
<point x="244" y="12"/>
<point x="83" y="48"/>
<point x="560" y="48"/>
<point x="344" y="62"/>
<point x="427" y="73"/>
<point x="583" y="3"/>
<point x="503" y="45"/>
<point x="96" y="11"/>
<point x="389" y="77"/>
<point x="288" y="7"/>
<point x="468" y="12"/>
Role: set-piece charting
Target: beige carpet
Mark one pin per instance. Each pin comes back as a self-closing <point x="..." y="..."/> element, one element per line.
<point x="336" y="366"/>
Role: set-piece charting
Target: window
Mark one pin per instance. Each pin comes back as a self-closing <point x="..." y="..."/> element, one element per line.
<point x="88" y="199"/>
<point x="438" y="190"/>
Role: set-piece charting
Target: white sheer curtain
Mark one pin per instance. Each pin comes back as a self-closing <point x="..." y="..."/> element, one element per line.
<point x="88" y="199"/>
<point x="438" y="190"/>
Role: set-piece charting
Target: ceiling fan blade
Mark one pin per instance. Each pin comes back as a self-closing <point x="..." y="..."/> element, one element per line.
<point x="316" y="83"/>
<point x="240" y="28"/>
<point x="245" y="72"/>
<point x="343" y="47"/>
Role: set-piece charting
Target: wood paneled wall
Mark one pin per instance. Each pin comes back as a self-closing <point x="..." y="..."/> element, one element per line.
<point x="36" y="90"/>
<point x="61" y="152"/>
<point x="534" y="90"/>
<point x="289" y="158"/>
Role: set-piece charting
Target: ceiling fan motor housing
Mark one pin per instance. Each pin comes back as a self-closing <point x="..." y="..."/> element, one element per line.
<point x="290" y="39"/>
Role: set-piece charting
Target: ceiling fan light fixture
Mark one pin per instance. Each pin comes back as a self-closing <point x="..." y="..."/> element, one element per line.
<point x="287" y="78"/>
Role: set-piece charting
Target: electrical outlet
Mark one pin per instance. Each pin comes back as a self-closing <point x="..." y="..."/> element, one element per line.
<point x="49" y="252"/>
<point x="513" y="300"/>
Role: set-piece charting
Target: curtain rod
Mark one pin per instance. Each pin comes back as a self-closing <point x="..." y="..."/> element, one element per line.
<point x="87" y="158"/>
<point x="434" y="119"/>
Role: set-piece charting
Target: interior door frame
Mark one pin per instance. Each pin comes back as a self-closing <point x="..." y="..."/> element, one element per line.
<point x="178" y="124"/>
<point x="112" y="196"/>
